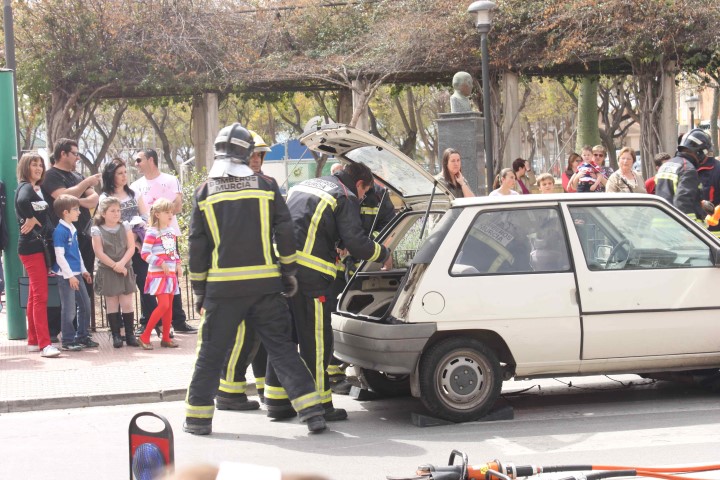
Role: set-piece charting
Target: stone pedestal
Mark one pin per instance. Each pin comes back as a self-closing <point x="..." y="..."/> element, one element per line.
<point x="464" y="133"/>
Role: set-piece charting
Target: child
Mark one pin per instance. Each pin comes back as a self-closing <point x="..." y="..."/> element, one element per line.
<point x="159" y="250"/>
<point x="114" y="245"/>
<point x="546" y="183"/>
<point x="74" y="299"/>
<point x="588" y="176"/>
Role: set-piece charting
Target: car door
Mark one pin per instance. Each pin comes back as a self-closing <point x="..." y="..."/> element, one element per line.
<point x="507" y="270"/>
<point x="646" y="281"/>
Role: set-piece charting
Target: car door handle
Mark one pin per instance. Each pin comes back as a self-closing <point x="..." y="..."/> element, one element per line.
<point x="574" y="300"/>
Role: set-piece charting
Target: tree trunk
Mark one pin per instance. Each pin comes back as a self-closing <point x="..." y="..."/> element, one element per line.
<point x="650" y="93"/>
<point x="588" y="132"/>
<point x="159" y="128"/>
<point x="714" y="119"/>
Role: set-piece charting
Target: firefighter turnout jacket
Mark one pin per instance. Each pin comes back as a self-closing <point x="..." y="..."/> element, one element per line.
<point x="376" y="211"/>
<point x="709" y="174"/>
<point x="248" y="210"/>
<point x="326" y="211"/>
<point x="677" y="182"/>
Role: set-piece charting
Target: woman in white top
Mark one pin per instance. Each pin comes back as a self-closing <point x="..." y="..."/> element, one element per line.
<point x="626" y="180"/>
<point x="507" y="183"/>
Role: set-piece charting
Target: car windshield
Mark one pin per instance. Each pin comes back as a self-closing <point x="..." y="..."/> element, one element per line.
<point x="392" y="170"/>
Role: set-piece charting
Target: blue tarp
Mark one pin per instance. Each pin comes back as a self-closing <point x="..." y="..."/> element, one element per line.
<point x="295" y="151"/>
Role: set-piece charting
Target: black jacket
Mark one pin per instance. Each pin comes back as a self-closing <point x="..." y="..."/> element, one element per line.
<point x="234" y="222"/>
<point x="29" y="204"/>
<point x="325" y="212"/>
<point x="709" y="174"/>
<point x="375" y="206"/>
<point x="677" y="182"/>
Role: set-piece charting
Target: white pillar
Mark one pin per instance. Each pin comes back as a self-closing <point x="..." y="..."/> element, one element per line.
<point x="668" y="113"/>
<point x="511" y="106"/>
<point x="204" y="129"/>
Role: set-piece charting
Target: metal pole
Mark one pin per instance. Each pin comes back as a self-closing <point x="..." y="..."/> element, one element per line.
<point x="10" y="60"/>
<point x="487" y="122"/>
<point x="692" y="118"/>
<point x="17" y="328"/>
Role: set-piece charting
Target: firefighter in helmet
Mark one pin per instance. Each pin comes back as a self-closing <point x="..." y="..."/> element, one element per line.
<point x="236" y="275"/>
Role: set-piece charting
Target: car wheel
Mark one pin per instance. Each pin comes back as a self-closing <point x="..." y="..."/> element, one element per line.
<point x="460" y="379"/>
<point x="388" y="384"/>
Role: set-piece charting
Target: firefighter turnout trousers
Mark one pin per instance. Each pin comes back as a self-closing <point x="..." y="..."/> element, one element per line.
<point x="247" y="348"/>
<point x="313" y="328"/>
<point x="269" y="316"/>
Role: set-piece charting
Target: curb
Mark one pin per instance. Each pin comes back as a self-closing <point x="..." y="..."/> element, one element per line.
<point x="98" y="400"/>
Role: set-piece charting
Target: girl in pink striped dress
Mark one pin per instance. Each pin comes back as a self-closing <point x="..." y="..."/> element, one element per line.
<point x="159" y="250"/>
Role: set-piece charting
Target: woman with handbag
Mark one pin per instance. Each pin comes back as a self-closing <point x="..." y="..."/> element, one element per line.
<point x="35" y="249"/>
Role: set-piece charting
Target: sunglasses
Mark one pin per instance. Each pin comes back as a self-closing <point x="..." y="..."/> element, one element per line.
<point x="598" y="154"/>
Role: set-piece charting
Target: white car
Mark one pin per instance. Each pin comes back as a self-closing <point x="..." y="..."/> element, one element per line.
<point x="486" y="289"/>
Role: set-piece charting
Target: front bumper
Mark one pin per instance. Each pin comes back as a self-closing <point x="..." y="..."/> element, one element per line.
<point x="375" y="346"/>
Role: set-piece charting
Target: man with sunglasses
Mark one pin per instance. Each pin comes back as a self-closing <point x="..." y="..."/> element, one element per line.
<point x="599" y="155"/>
<point x="153" y="185"/>
<point x="61" y="179"/>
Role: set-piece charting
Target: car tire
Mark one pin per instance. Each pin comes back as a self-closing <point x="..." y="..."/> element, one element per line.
<point x="386" y="384"/>
<point x="460" y="379"/>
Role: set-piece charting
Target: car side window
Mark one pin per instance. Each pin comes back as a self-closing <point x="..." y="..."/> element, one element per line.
<point x="409" y="229"/>
<point x="632" y="237"/>
<point x="514" y="241"/>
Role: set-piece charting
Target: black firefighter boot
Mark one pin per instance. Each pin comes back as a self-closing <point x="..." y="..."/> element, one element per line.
<point x="129" y="321"/>
<point x="114" y="321"/>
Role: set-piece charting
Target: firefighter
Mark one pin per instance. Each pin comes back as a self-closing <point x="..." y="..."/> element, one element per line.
<point x="235" y="275"/>
<point x="246" y="348"/>
<point x="677" y="179"/>
<point x="376" y="211"/>
<point x="709" y="175"/>
<point x="325" y="212"/>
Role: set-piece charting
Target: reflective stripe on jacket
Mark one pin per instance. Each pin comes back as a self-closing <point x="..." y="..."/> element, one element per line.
<point x="233" y="225"/>
<point x="325" y="212"/>
<point x="677" y="182"/>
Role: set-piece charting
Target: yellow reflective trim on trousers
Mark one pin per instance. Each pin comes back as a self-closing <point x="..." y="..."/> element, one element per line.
<point x="232" y="387"/>
<point x="305" y="401"/>
<point x="259" y="382"/>
<point x="243" y="273"/>
<point x="326" y="396"/>
<point x="228" y="382"/>
<point x="376" y="254"/>
<point x="205" y="411"/>
<point x="198" y="277"/>
<point x="289" y="259"/>
<point x="275" y="393"/>
<point x="334" y="370"/>
<point x="319" y="346"/>
<point x="197" y="352"/>
<point x="316" y="263"/>
<point x="716" y="233"/>
<point x="369" y="211"/>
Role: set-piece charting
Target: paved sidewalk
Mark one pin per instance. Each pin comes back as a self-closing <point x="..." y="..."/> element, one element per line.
<point x="92" y="377"/>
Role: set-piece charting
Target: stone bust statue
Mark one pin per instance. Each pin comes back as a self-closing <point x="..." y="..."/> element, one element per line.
<point x="462" y="84"/>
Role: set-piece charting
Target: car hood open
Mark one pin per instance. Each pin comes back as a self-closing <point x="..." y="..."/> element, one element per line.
<point x="389" y="165"/>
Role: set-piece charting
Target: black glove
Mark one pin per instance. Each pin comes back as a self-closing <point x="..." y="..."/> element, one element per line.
<point x="199" y="300"/>
<point x="290" y="285"/>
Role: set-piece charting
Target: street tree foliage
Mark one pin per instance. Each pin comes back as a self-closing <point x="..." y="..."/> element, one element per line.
<point x="75" y="54"/>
